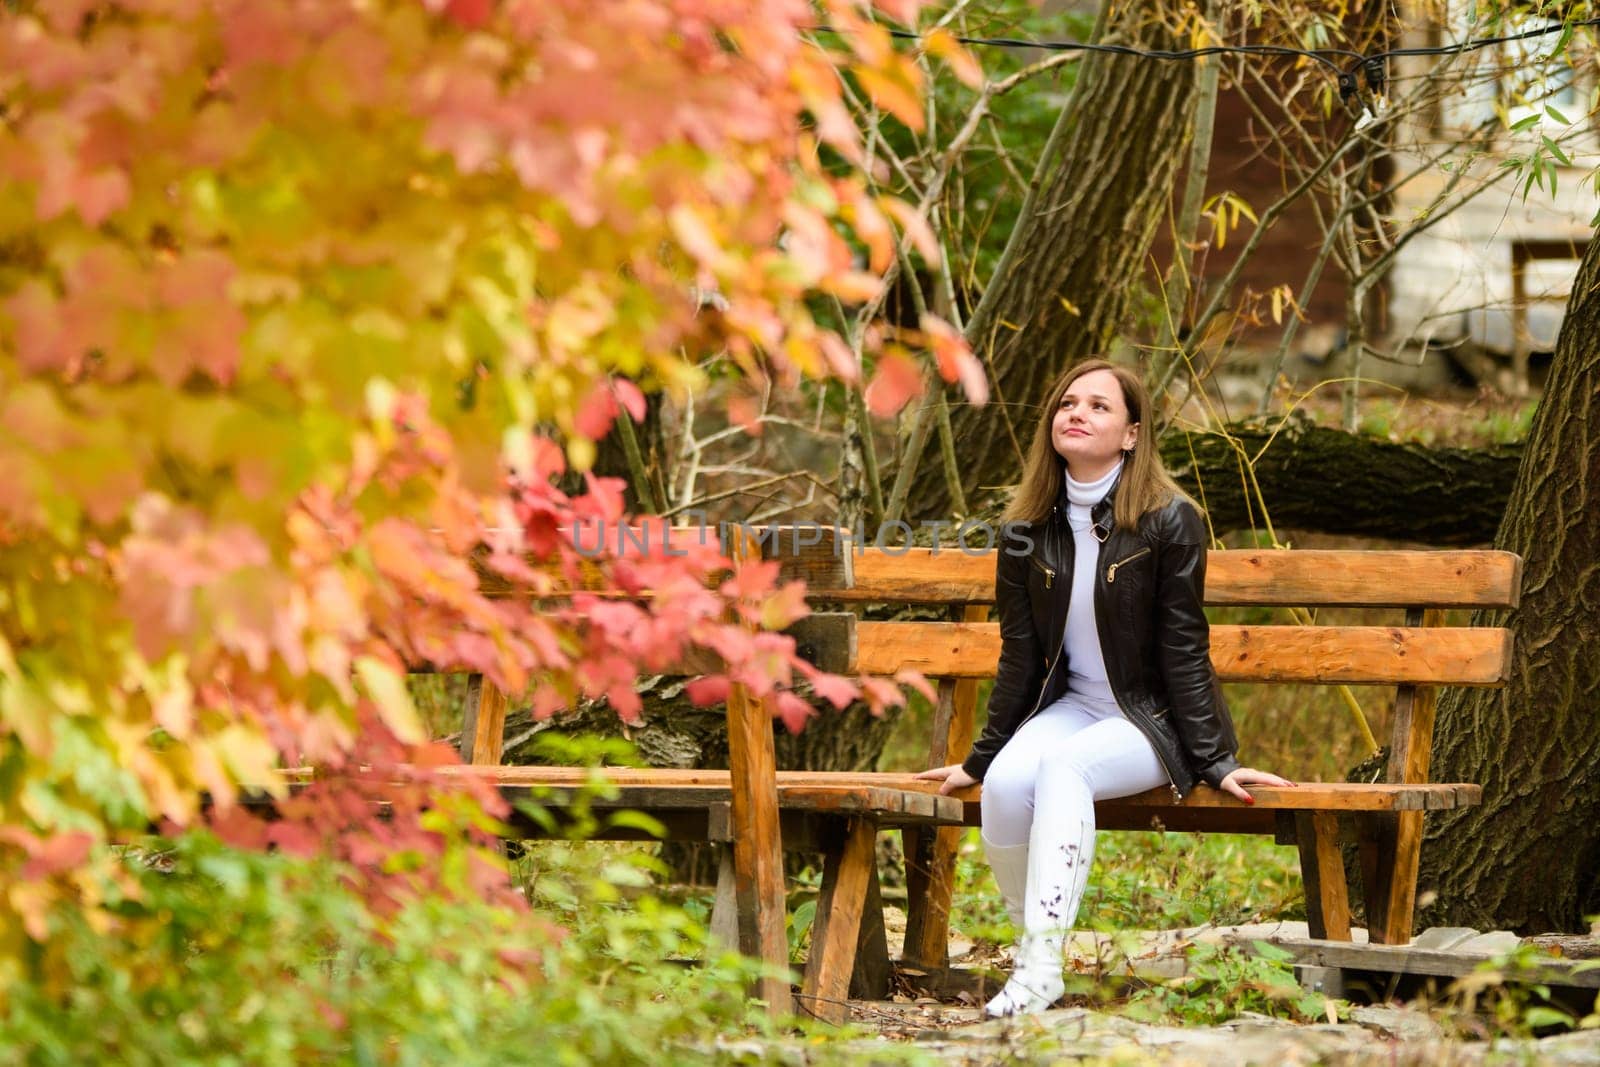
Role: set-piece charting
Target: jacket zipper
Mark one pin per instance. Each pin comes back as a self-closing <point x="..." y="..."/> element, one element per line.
<point x="1055" y="656"/>
<point x="1149" y="732"/>
<point x="1111" y="571"/>
<point x="1172" y="781"/>
<point x="1043" y="689"/>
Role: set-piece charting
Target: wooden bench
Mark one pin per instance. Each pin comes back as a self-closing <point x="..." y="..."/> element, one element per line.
<point x="839" y="814"/>
<point x="1384" y="818"/>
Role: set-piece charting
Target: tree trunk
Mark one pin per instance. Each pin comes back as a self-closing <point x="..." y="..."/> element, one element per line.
<point x="1529" y="857"/>
<point x="1317" y="478"/>
<point x="1064" y="285"/>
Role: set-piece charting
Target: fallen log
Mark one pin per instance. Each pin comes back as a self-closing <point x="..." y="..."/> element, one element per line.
<point x="1326" y="480"/>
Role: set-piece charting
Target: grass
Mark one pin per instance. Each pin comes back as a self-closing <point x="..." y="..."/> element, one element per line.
<point x="1150" y="880"/>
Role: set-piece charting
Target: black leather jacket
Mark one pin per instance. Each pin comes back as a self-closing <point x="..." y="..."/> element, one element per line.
<point x="1154" y="636"/>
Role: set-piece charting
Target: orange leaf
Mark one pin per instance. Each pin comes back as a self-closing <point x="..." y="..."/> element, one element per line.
<point x="895" y="92"/>
<point x="955" y="359"/>
<point x="942" y="43"/>
<point x="896" y="381"/>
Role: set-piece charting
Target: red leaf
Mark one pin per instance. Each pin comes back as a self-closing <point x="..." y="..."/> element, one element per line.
<point x="896" y="381"/>
<point x="470" y="13"/>
<point x="712" y="689"/>
<point x="596" y="413"/>
<point x="841" y="360"/>
<point x="903" y="11"/>
<point x="625" y="701"/>
<point x="295" y="838"/>
<point x="792" y="710"/>
<point x="835" y="689"/>
<point x="630" y="397"/>
<point x="238" y="828"/>
<point x="100" y="195"/>
<point x="881" y="694"/>
<point x="955" y="359"/>
<point x="916" y="680"/>
<point x="58" y="853"/>
<point x="745" y="413"/>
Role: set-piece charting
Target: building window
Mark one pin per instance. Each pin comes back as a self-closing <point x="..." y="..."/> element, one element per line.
<point x="1511" y="83"/>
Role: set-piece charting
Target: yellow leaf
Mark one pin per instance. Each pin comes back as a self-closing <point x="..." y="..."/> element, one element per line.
<point x="387" y="688"/>
<point x="248" y="756"/>
<point x="580" y="453"/>
<point x="942" y="43"/>
<point x="899" y="95"/>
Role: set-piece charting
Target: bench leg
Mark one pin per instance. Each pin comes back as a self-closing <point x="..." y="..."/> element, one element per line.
<point x="483" y="730"/>
<point x="930" y="889"/>
<point x="1391" y="849"/>
<point x="846" y="871"/>
<point x="1322" y="868"/>
<point x="873" y="972"/>
<point x="725" y="932"/>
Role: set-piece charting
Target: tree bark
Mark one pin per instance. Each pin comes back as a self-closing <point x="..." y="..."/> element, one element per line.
<point x="1318" y="478"/>
<point x="1063" y="289"/>
<point x="611" y="460"/>
<point x="1528" y="858"/>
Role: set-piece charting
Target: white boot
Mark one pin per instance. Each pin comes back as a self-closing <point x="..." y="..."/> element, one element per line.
<point x="1036" y="964"/>
<point x="1010" y="866"/>
<point x="1036" y="981"/>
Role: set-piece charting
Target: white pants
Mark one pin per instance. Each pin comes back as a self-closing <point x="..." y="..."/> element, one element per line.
<point x="1040" y="791"/>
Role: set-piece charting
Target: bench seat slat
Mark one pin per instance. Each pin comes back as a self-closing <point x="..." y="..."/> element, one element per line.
<point x="666" y="789"/>
<point x="820" y="789"/>
<point x="1323" y="655"/>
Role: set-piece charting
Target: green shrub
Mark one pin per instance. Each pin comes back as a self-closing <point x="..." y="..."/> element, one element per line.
<point x="1222" y="981"/>
<point x="219" y="957"/>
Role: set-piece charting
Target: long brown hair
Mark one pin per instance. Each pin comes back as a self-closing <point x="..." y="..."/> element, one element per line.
<point x="1145" y="484"/>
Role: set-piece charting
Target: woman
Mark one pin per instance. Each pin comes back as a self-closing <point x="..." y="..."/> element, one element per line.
<point x="1105" y="686"/>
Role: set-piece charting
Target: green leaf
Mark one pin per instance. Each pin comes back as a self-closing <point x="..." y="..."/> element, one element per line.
<point x="638" y="820"/>
<point x="1268" y="951"/>
<point x="1524" y="123"/>
<point x="1555" y="150"/>
<point x="801" y="921"/>
<point x="1541" y="1015"/>
<point x="1558" y="116"/>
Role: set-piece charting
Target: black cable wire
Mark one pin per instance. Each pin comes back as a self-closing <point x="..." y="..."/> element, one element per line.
<point x="1370" y="65"/>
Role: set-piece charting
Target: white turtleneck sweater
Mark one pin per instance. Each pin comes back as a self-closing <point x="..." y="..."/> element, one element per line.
<point x="1086" y="667"/>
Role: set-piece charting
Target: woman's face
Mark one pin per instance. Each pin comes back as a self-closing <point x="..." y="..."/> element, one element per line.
<point x="1091" y="429"/>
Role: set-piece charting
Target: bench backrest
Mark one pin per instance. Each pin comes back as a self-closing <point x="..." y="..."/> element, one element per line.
<point x="1416" y="657"/>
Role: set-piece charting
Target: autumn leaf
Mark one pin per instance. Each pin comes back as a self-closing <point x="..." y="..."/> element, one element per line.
<point x="942" y="43"/>
<point x="956" y="360"/>
<point x="896" y="380"/>
<point x="711" y="689"/>
<point x="319" y="309"/>
<point x="791" y="710"/>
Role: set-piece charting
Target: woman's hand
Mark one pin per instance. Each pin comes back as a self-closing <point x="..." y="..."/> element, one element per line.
<point x="949" y="778"/>
<point x="1236" y="781"/>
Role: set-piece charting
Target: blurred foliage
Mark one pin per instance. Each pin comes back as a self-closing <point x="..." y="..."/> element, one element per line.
<point x="218" y="956"/>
